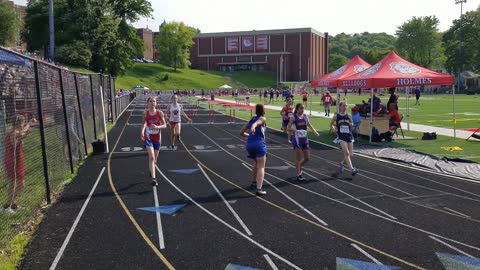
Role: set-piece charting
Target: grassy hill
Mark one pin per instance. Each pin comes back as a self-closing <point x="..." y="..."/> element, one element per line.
<point x="251" y="79"/>
<point x="160" y="77"/>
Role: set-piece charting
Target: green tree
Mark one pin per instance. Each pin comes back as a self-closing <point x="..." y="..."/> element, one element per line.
<point x="418" y="40"/>
<point x="174" y="42"/>
<point x="335" y="61"/>
<point x="98" y="29"/>
<point x="469" y="58"/>
<point x="8" y="24"/>
<point x="370" y="46"/>
<point x="131" y="10"/>
<point x="76" y="54"/>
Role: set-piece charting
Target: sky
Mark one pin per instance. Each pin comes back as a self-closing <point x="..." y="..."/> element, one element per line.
<point x="334" y="17"/>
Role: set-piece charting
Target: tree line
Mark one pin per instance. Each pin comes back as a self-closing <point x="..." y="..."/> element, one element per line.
<point x="418" y="40"/>
<point x="98" y="34"/>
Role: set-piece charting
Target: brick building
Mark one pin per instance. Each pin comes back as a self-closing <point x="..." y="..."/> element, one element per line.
<point x="147" y="36"/>
<point x="294" y="54"/>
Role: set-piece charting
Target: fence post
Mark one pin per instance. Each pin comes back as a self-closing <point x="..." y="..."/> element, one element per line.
<point x="112" y="97"/>
<point x="80" y="113"/>
<point x="67" y="130"/>
<point x="93" y="108"/>
<point x="42" y="132"/>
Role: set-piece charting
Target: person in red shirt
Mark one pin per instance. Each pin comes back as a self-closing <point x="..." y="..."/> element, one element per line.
<point x="304" y="98"/>
<point x="14" y="161"/>
<point x="286" y="113"/>
<point x="395" y="117"/>
<point x="153" y="121"/>
<point x="327" y="99"/>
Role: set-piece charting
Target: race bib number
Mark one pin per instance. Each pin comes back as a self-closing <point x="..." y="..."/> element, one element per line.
<point x="152" y="130"/>
<point x="344" y="129"/>
<point x="301" y="133"/>
<point x="290" y="115"/>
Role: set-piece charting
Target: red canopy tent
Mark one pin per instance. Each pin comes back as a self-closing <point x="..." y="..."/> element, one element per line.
<point x="394" y="71"/>
<point x="330" y="80"/>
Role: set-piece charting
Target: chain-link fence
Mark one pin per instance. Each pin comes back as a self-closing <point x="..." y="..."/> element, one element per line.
<point x="48" y="119"/>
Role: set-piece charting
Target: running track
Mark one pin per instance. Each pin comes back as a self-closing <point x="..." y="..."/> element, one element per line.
<point x="386" y="215"/>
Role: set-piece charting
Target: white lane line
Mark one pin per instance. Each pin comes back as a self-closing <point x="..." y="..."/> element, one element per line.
<point x="75" y="223"/>
<point x="270" y="262"/>
<point x="456" y="212"/>
<point x="376" y="215"/>
<point x="291" y="199"/>
<point x="366" y="254"/>
<point x="347" y="194"/>
<point x="425" y="196"/>
<point x="452" y="247"/>
<point x="369" y="178"/>
<point x="228" y="225"/>
<point x="161" y="240"/>
<point x="405" y="166"/>
<point x="348" y="205"/>
<point x="335" y="164"/>
<point x="225" y="201"/>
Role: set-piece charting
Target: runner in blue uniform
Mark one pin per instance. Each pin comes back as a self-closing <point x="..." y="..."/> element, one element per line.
<point x="298" y="126"/>
<point x="254" y="131"/>
<point x="344" y="122"/>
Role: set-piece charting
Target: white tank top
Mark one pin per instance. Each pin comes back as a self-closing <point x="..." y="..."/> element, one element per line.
<point x="175" y="113"/>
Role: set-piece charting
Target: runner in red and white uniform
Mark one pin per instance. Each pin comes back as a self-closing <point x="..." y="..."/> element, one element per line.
<point x="174" y="113"/>
<point x="327" y="99"/>
<point x="153" y="121"/>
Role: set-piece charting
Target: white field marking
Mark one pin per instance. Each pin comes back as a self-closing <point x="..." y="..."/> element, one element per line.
<point x="351" y="206"/>
<point x="456" y="212"/>
<point x="405" y="199"/>
<point x="347" y="194"/>
<point x="424" y="196"/>
<point x="408" y="183"/>
<point x="228" y="225"/>
<point x="450" y="246"/>
<point x="429" y="180"/>
<point x="377" y="215"/>
<point x="366" y="254"/>
<point x="378" y="192"/>
<point x="161" y="240"/>
<point x="226" y="202"/>
<point x="333" y="163"/>
<point x="452" y="177"/>
<point x="270" y="262"/>
<point x="300" y="187"/>
<point x="364" y="197"/>
<point x="75" y="223"/>
<point x="291" y="199"/>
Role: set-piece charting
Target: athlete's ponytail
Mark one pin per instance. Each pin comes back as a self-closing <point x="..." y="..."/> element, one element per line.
<point x="296" y="108"/>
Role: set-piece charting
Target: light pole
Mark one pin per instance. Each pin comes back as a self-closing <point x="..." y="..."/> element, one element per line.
<point x="51" y="50"/>
<point x="460" y="52"/>
<point x="461" y="64"/>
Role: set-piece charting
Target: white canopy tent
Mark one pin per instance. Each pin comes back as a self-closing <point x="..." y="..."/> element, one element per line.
<point x="225" y="86"/>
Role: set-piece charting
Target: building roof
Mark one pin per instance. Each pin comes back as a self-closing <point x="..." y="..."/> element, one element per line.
<point x="262" y="32"/>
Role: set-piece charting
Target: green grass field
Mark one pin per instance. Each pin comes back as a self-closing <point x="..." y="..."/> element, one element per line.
<point x="250" y="79"/>
<point x="437" y="107"/>
<point x="159" y="77"/>
<point x="434" y="110"/>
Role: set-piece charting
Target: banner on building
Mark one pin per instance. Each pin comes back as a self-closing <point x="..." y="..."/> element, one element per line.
<point x="261" y="43"/>
<point x="247" y="43"/>
<point x="232" y="44"/>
